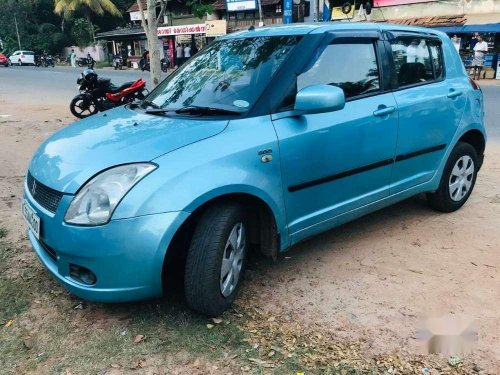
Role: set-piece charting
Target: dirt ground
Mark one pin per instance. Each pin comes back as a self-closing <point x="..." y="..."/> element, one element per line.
<point x="372" y="280"/>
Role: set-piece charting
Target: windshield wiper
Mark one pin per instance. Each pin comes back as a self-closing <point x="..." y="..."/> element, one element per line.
<point x="149" y="103"/>
<point x="157" y="111"/>
<point x="200" y="110"/>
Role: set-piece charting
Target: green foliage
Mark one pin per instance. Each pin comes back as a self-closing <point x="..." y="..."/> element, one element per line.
<point x="200" y="7"/>
<point x="40" y="28"/>
<point x="82" y="33"/>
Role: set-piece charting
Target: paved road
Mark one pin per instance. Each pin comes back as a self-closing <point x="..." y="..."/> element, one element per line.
<point x="59" y="85"/>
<point x="55" y="84"/>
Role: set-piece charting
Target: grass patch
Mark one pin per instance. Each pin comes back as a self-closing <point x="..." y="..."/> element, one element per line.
<point x="14" y="298"/>
<point x="102" y="64"/>
<point x="3" y="232"/>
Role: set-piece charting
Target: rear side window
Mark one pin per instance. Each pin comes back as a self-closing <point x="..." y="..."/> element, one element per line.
<point x="350" y="66"/>
<point x="417" y="60"/>
<point x="29" y="53"/>
<point x="437" y="60"/>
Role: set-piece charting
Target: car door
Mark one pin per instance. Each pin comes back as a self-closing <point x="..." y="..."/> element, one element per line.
<point x="335" y="162"/>
<point x="13" y="59"/>
<point x="430" y="103"/>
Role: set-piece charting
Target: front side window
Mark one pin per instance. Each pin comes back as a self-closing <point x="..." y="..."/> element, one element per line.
<point x="412" y="61"/>
<point x="350" y="66"/>
<point x="228" y="74"/>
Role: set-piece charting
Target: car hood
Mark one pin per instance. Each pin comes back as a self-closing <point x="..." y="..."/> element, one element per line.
<point x="67" y="159"/>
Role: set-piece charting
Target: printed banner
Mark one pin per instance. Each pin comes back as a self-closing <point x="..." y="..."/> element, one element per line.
<point x="237" y="5"/>
<point x="182" y="29"/>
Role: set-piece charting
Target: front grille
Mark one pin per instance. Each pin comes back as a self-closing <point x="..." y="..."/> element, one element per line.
<point x="49" y="251"/>
<point x="46" y="197"/>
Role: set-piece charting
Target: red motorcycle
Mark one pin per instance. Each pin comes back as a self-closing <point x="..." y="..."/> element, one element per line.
<point x="99" y="94"/>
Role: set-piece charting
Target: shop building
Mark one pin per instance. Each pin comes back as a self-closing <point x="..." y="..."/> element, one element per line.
<point x="179" y="26"/>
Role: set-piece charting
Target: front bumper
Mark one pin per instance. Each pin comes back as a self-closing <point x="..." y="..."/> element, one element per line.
<point x="126" y="255"/>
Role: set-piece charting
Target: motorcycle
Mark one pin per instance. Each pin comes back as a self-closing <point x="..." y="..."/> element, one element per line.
<point x="118" y="62"/>
<point x="47" y="61"/>
<point x="145" y="65"/>
<point x="83" y="61"/>
<point x="99" y="94"/>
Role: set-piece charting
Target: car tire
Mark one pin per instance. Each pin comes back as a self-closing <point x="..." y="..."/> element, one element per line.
<point x="216" y="259"/>
<point x="458" y="179"/>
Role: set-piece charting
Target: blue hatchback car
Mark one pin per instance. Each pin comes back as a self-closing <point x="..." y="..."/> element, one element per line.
<point x="262" y="139"/>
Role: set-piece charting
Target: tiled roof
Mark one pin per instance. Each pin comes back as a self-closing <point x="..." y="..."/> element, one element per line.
<point x="121" y="32"/>
<point x="135" y="8"/>
<point x="430" y="21"/>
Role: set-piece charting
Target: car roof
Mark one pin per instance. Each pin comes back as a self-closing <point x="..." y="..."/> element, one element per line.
<point x="321" y="27"/>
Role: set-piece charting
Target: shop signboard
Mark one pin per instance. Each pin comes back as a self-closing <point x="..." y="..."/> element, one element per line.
<point x="136" y="16"/>
<point x="182" y="29"/>
<point x="238" y="5"/>
<point x="287" y="11"/>
<point x="215" y="28"/>
<point x="388" y="3"/>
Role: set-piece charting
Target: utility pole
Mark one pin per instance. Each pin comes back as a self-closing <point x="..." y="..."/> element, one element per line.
<point x="261" y="22"/>
<point x="316" y="8"/>
<point x="17" y="32"/>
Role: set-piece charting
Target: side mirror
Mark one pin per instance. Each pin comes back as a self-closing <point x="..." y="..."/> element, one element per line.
<point x="319" y="99"/>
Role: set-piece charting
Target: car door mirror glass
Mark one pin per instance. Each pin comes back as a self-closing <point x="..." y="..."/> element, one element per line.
<point x="319" y="99"/>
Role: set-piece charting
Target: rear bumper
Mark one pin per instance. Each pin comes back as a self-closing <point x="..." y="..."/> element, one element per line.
<point x="126" y="256"/>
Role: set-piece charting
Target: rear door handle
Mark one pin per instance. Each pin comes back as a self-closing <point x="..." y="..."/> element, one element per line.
<point x="454" y="93"/>
<point x="383" y="110"/>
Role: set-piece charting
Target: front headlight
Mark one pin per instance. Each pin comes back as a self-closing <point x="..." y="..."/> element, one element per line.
<point x="97" y="199"/>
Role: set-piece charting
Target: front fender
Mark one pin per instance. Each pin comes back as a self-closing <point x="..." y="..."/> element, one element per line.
<point x="227" y="163"/>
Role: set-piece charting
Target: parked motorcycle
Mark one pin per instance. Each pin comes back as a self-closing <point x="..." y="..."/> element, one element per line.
<point x="83" y="61"/>
<point x="145" y="65"/>
<point x="47" y="60"/>
<point x="99" y="94"/>
<point x="117" y="62"/>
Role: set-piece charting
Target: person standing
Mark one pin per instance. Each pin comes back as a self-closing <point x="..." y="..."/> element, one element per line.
<point x="456" y="43"/>
<point x="178" y="55"/>
<point x="72" y="58"/>
<point x="187" y="52"/>
<point x="480" y="49"/>
<point x="90" y="61"/>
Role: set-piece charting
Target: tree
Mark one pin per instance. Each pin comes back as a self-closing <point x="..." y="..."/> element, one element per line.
<point x="100" y="7"/>
<point x="150" y="25"/>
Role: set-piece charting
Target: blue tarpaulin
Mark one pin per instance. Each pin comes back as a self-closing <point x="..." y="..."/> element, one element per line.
<point x="469" y="29"/>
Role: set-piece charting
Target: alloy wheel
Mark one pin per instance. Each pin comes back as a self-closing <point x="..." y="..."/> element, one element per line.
<point x="232" y="260"/>
<point x="461" y="177"/>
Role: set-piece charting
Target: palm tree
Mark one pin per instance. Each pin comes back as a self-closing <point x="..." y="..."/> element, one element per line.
<point x="67" y="7"/>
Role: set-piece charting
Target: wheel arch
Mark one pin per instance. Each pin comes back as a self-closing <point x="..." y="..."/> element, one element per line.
<point x="263" y="228"/>
<point x="476" y="139"/>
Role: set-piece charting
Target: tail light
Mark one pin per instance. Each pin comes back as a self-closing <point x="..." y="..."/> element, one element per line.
<point x="474" y="85"/>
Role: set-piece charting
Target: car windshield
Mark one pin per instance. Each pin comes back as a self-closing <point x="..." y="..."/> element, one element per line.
<point x="227" y="75"/>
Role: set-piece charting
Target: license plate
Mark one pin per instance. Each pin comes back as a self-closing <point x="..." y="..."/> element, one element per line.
<point x="31" y="218"/>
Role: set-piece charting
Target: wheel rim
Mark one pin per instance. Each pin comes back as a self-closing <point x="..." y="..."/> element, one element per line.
<point x="232" y="260"/>
<point x="84" y="109"/>
<point x="461" y="176"/>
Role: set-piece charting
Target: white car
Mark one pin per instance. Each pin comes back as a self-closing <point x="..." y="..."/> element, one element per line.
<point x="22" y="58"/>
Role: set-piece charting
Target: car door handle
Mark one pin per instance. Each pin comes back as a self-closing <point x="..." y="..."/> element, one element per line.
<point x="454" y="93"/>
<point x="383" y="110"/>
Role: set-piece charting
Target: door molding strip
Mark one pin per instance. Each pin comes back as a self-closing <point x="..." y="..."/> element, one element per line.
<point x="364" y="168"/>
